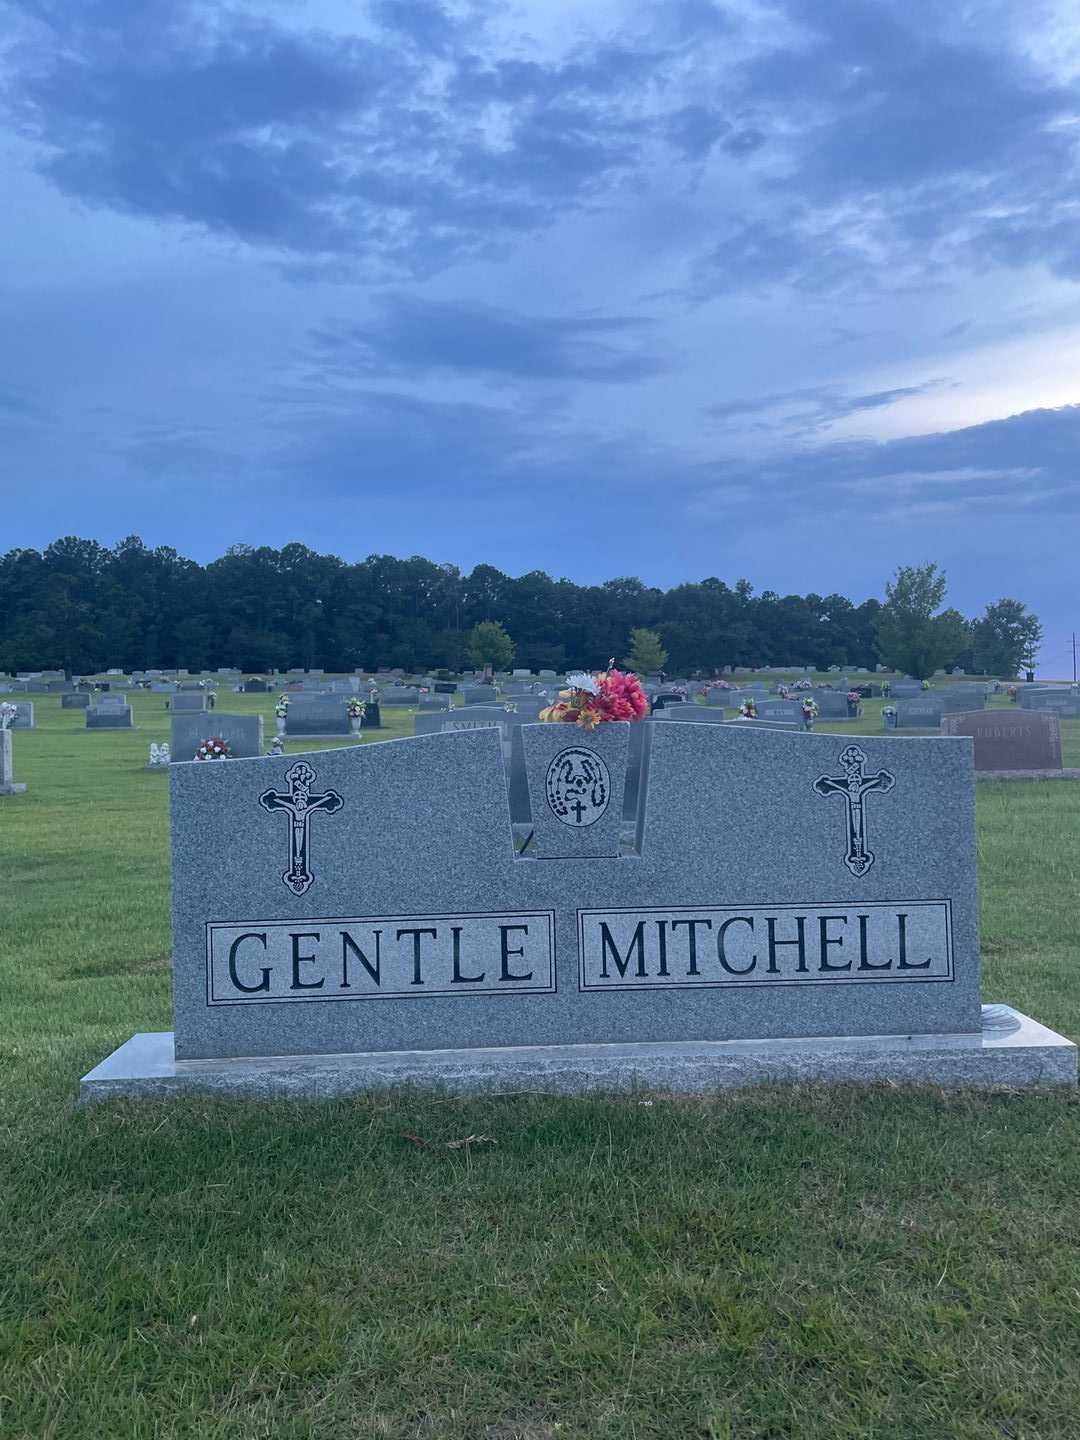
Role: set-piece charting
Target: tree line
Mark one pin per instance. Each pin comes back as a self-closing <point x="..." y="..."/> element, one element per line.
<point x="81" y="606"/>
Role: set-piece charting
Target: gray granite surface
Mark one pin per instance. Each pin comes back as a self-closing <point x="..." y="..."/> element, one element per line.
<point x="576" y="781"/>
<point x="1010" y="1050"/>
<point x="117" y="717"/>
<point x="242" y="733"/>
<point x="8" y="785"/>
<point x="1010" y="739"/>
<point x="733" y="825"/>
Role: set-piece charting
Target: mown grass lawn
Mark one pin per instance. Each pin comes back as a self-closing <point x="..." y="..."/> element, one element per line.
<point x="812" y="1263"/>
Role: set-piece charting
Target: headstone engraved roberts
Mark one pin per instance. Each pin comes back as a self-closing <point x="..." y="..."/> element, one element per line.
<point x="1010" y="741"/>
<point x="307" y="961"/>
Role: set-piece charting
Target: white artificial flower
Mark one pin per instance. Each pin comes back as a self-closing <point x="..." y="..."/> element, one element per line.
<point x="583" y="682"/>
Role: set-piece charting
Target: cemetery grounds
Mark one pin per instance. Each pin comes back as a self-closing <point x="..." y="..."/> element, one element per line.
<point x="816" y="1263"/>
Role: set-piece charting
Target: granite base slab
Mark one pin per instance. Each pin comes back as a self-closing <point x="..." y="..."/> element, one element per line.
<point x="1011" y="1050"/>
<point x="12" y="789"/>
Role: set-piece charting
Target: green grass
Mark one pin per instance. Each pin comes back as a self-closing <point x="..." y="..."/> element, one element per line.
<point x="816" y="1263"/>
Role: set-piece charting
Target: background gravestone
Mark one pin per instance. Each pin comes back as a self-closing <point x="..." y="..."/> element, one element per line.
<point x="1063" y="702"/>
<point x="780" y="710"/>
<point x="960" y="699"/>
<point x="7" y="771"/>
<point x="79" y="700"/>
<point x="832" y="704"/>
<point x="790" y="725"/>
<point x="318" y="715"/>
<point x="695" y="714"/>
<point x="242" y="733"/>
<point x="188" y="702"/>
<point x="24" y="715"/>
<point x="110" y="717"/>
<point x="918" y="713"/>
<point x="1010" y="739"/>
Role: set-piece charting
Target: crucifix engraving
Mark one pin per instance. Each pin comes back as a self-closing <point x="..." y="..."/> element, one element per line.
<point x="299" y="804"/>
<point x="854" y="786"/>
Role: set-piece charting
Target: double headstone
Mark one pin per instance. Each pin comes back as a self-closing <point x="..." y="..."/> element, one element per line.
<point x="844" y="948"/>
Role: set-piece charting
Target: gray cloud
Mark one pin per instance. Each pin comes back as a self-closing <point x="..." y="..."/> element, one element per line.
<point x="806" y="410"/>
<point x="401" y="149"/>
<point x="408" y="335"/>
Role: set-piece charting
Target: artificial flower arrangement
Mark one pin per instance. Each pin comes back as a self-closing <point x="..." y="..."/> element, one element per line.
<point x="281" y="709"/>
<point x="213" y="749"/>
<point x="803" y="684"/>
<point x="926" y="684"/>
<point x="888" y="712"/>
<point x="7" y="714"/>
<point x="809" y="709"/>
<point x="854" y="698"/>
<point x="356" y="708"/>
<point x="606" y="695"/>
<point x="1012" y="691"/>
<point x="748" y="710"/>
<point x="718" y="685"/>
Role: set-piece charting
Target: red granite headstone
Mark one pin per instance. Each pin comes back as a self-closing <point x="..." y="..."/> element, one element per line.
<point x="1010" y="740"/>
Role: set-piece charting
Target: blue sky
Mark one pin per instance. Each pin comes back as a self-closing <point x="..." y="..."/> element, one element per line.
<point x="788" y="290"/>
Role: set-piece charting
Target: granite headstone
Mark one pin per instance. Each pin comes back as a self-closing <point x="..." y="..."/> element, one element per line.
<point x="243" y="734"/>
<point x="1010" y="739"/>
<point x="845" y="946"/>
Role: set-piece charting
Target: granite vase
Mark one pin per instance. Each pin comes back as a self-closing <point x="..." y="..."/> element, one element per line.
<point x="576" y="780"/>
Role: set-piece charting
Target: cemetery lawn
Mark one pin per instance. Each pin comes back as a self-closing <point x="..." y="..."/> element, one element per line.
<point x="818" y="1263"/>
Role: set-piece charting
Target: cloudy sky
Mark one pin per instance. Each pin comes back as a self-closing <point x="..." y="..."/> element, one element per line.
<point x="784" y="290"/>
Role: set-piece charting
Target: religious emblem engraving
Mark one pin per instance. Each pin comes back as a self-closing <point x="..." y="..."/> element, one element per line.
<point x="578" y="786"/>
<point x="299" y="804"/>
<point x="854" y="786"/>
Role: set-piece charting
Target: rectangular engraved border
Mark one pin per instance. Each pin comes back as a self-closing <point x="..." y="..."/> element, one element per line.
<point x="551" y="988"/>
<point x="690" y="910"/>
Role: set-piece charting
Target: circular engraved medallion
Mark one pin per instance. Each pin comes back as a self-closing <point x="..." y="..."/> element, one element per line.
<point x="578" y="786"/>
